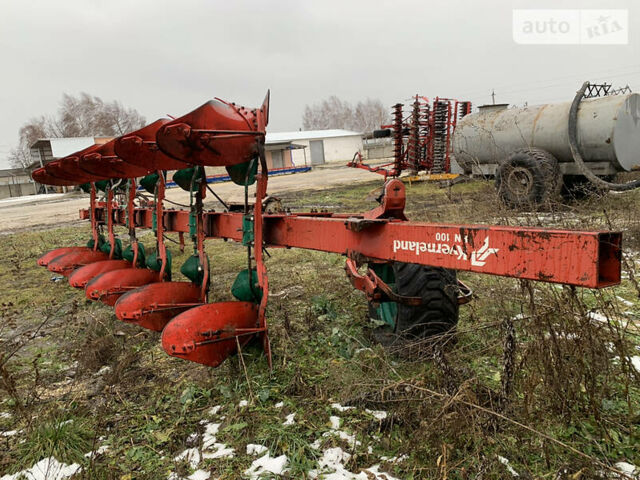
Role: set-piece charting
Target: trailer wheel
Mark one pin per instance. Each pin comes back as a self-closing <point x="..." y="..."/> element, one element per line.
<point x="528" y="177"/>
<point x="438" y="288"/>
<point x="550" y="169"/>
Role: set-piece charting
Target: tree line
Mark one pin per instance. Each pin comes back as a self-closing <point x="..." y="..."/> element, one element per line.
<point x="332" y="112"/>
<point x="84" y="115"/>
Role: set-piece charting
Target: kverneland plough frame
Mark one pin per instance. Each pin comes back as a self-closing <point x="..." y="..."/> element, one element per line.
<point x="218" y="133"/>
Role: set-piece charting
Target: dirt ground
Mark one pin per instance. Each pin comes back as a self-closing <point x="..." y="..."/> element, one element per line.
<point x="31" y="212"/>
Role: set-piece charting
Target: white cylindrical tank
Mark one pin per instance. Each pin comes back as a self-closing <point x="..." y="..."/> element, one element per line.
<point x="608" y="131"/>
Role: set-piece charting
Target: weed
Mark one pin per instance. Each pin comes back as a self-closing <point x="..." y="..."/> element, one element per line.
<point x="62" y="436"/>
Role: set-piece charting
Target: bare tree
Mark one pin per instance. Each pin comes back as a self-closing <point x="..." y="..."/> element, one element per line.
<point x="20" y="156"/>
<point x="81" y="116"/>
<point x="370" y="115"/>
<point x="335" y="113"/>
<point x="88" y="115"/>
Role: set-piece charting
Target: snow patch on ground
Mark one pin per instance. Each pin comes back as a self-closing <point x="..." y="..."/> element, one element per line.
<point x="510" y="469"/>
<point x="199" y="475"/>
<point x="378" y="414"/>
<point x="597" y="317"/>
<point x="340" y="408"/>
<point x="255" y="449"/>
<point x="5" y="415"/>
<point x="209" y="437"/>
<point x="377" y="474"/>
<point x="267" y="464"/>
<point x="279" y="405"/>
<point x="290" y="419"/>
<point x="103" y="371"/>
<point x="211" y="449"/>
<point x="9" y="433"/>
<point x="331" y="467"/>
<point x="335" y="422"/>
<point x="214" y="410"/>
<point x="101" y="450"/>
<point x="219" y="450"/>
<point x="191" y="455"/>
<point x="635" y="361"/>
<point x="243" y="403"/>
<point x="628" y="469"/>
<point x="46" y="469"/>
<point x="625" y="301"/>
<point x="335" y="425"/>
<point x="396" y="459"/>
<point x="211" y="445"/>
<point x="350" y="439"/>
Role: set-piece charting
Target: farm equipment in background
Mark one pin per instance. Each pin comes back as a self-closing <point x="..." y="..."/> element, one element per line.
<point x="536" y="151"/>
<point x="421" y="139"/>
<point x="406" y="269"/>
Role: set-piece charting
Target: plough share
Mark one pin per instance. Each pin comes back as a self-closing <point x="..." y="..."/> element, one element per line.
<point x="406" y="269"/>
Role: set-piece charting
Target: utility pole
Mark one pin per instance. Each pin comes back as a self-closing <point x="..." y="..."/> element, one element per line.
<point x="493" y="96"/>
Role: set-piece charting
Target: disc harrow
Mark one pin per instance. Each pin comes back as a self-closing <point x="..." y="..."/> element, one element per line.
<point x="138" y="283"/>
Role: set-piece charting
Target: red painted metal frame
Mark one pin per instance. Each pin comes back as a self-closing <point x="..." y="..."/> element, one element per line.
<point x="586" y="259"/>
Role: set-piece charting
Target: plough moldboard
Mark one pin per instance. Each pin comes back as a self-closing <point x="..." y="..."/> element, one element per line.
<point x="137" y="282"/>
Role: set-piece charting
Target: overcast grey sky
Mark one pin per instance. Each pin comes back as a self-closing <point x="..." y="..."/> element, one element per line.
<point x="168" y="57"/>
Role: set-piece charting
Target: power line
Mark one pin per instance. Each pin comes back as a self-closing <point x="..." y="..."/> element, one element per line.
<point x="611" y="73"/>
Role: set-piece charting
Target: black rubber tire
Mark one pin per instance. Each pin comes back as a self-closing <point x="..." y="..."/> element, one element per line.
<point x="550" y="169"/>
<point x="382" y="133"/>
<point x="532" y="169"/>
<point x="438" y="288"/>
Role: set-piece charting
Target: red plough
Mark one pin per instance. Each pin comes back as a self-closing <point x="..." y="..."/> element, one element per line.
<point x="224" y="134"/>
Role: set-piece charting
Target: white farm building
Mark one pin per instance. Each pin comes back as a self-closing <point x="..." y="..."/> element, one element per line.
<point x="311" y="147"/>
